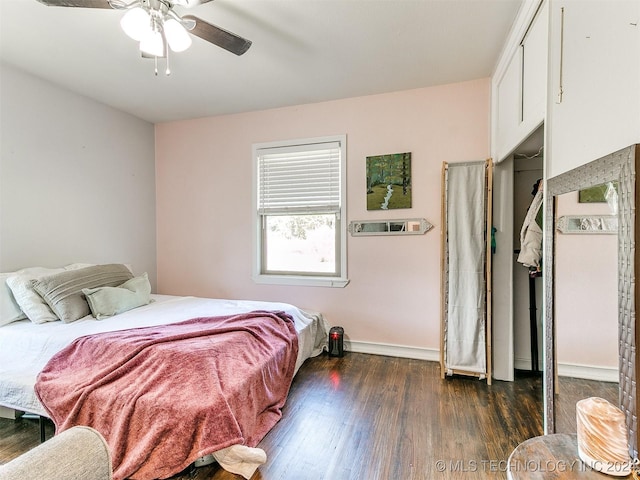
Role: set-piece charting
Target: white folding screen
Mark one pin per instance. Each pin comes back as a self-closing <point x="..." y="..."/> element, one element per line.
<point x="465" y="343"/>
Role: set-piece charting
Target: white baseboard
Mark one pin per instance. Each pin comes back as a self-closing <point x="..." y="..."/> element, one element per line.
<point x="431" y="354"/>
<point x="520" y="363"/>
<point x="588" y="372"/>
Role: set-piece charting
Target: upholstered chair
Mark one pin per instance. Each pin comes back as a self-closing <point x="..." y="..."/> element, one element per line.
<point x="79" y="453"/>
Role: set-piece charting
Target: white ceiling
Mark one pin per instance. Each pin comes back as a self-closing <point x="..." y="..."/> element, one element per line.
<point x="303" y="51"/>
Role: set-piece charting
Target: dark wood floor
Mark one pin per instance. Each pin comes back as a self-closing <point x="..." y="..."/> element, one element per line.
<point x="377" y="418"/>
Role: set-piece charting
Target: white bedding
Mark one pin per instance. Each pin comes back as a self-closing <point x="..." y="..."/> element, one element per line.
<point x="25" y="348"/>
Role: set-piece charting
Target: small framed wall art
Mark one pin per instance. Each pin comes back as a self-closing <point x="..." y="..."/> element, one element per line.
<point x="389" y="181"/>
<point x="599" y="194"/>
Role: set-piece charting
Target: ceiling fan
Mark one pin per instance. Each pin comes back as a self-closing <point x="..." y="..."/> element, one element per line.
<point x="158" y="28"/>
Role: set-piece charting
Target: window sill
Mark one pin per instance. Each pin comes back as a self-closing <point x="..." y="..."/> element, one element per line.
<point x="292" y="280"/>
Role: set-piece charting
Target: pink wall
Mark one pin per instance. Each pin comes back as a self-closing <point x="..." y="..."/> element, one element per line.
<point x="204" y="210"/>
<point x="586" y="297"/>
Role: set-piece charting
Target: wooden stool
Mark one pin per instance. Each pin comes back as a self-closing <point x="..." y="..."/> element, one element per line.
<point x="551" y="457"/>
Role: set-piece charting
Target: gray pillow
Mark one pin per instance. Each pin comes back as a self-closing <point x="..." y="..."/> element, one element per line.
<point x="63" y="291"/>
<point x="107" y="301"/>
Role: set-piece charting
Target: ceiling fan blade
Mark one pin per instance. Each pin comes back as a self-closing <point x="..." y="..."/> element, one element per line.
<point x="77" y="3"/>
<point x="218" y="36"/>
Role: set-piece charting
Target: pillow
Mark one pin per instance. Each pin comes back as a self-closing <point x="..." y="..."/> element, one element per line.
<point x="29" y="301"/>
<point x="9" y="308"/>
<point x="76" y="266"/>
<point x="63" y="291"/>
<point x="32" y="305"/>
<point x="107" y="301"/>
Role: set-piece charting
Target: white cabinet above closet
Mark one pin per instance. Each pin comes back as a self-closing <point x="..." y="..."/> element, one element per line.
<point x="534" y="71"/>
<point x="520" y="80"/>
<point x="507" y="102"/>
<point x="594" y="81"/>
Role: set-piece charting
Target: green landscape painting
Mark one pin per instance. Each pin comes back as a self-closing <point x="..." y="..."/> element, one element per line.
<point x="597" y="194"/>
<point x="389" y="181"/>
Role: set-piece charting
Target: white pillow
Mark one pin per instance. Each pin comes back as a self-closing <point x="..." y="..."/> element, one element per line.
<point x="9" y="309"/>
<point x="32" y="304"/>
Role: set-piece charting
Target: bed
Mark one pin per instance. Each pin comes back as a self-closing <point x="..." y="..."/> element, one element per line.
<point x="28" y="351"/>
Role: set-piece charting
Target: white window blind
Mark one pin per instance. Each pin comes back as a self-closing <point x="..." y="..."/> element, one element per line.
<point x="299" y="179"/>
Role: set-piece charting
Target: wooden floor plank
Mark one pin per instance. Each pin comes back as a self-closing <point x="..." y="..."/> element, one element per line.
<point x="379" y="418"/>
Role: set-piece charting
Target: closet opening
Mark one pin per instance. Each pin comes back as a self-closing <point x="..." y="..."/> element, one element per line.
<point x="527" y="255"/>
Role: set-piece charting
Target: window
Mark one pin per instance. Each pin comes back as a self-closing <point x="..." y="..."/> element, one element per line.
<point x="299" y="206"/>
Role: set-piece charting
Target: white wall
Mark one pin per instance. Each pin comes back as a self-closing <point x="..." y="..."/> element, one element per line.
<point x="77" y="180"/>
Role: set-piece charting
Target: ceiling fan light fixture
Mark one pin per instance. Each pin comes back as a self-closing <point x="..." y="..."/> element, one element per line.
<point x="153" y="44"/>
<point x="158" y="28"/>
<point x="136" y="23"/>
<point x="177" y="36"/>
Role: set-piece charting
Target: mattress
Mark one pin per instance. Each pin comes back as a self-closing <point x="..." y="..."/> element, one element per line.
<point x="25" y="348"/>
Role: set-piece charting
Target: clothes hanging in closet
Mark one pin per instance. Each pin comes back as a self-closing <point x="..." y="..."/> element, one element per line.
<point x="531" y="234"/>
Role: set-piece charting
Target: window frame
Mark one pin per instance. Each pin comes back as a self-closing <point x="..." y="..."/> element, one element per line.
<point x="259" y="276"/>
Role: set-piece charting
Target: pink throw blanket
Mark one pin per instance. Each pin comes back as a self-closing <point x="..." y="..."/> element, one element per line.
<point x="164" y="396"/>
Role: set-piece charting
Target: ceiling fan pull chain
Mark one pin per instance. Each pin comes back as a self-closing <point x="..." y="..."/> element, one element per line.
<point x="168" y="70"/>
